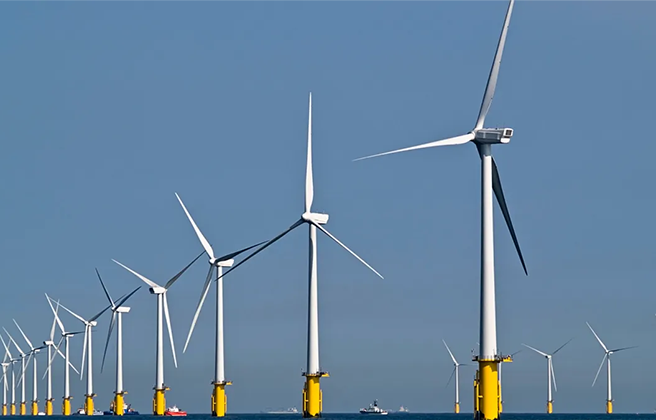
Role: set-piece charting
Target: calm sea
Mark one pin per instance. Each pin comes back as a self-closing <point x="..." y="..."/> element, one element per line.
<point x="418" y="416"/>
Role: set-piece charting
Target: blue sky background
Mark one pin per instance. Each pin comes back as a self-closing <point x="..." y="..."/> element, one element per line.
<point x="109" y="108"/>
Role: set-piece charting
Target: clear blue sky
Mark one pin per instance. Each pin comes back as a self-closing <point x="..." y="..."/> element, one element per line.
<point x="109" y="108"/>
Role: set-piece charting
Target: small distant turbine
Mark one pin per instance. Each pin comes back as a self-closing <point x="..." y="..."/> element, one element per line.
<point x="5" y="365"/>
<point x="23" y="359"/>
<point x="219" y="399"/>
<point x="50" y="344"/>
<point x="606" y="358"/>
<point x="455" y="372"/>
<point x="32" y="356"/>
<point x="159" y="401"/>
<point x="551" y="375"/>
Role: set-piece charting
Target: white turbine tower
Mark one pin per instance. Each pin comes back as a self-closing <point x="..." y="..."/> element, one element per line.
<point x="219" y="400"/>
<point x="65" y="336"/>
<point x="5" y="365"/>
<point x="118" y="309"/>
<point x="456" y="372"/>
<point x="606" y="358"/>
<point x="50" y="344"/>
<point x="21" y="380"/>
<point x="159" y="402"/>
<point x="483" y="138"/>
<point x="12" y="409"/>
<point x="551" y="375"/>
<point x="88" y="330"/>
<point x="32" y="355"/>
<point x="312" y="402"/>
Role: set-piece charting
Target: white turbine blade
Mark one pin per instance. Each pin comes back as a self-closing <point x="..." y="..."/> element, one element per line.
<point x="309" y="181"/>
<point x="330" y="235"/>
<point x="620" y="349"/>
<point x="236" y="253"/>
<point x="205" y="290"/>
<point x="455" y="362"/>
<point x="122" y="300"/>
<point x="61" y="326"/>
<point x="181" y="272"/>
<point x="29" y="343"/>
<point x="54" y="354"/>
<point x="603" y="359"/>
<point x="452" y="141"/>
<point x="168" y="325"/>
<point x="102" y="283"/>
<point x="52" y="329"/>
<point x="201" y="237"/>
<point x="263" y="247"/>
<point x="13" y="341"/>
<point x="598" y="339"/>
<point x="84" y="321"/>
<point x="144" y="279"/>
<point x="535" y="350"/>
<point x="109" y="334"/>
<point x="494" y="71"/>
<point x="553" y="375"/>
<point x="7" y="352"/>
<point x="84" y="351"/>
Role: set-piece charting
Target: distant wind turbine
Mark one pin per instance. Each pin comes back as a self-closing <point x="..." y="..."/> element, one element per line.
<point x="455" y="372"/>
<point x="551" y="375"/>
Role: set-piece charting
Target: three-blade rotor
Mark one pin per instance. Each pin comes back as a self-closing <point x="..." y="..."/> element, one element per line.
<point x="607" y="352"/>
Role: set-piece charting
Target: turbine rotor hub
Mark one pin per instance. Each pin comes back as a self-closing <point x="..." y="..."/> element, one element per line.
<point x="318" y="218"/>
<point x="493" y="135"/>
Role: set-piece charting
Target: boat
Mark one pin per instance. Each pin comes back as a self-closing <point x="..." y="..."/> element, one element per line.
<point x="373" y="409"/>
<point x="290" y="410"/>
<point x="127" y="410"/>
<point x="174" y="411"/>
<point x="403" y="410"/>
<point x="80" y="412"/>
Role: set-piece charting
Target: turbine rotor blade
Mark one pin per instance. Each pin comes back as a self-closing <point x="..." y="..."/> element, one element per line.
<point x="558" y="349"/>
<point x="96" y="316"/>
<point x="203" y="295"/>
<point x="597" y="337"/>
<point x="309" y="180"/>
<point x="201" y="237"/>
<point x="450" y="377"/>
<point x="61" y="326"/>
<point x="84" y="351"/>
<point x="263" y="247"/>
<point x="452" y="141"/>
<point x="109" y="334"/>
<point x="494" y="71"/>
<point x="236" y="253"/>
<point x="124" y="299"/>
<point x="455" y="362"/>
<point x="620" y="349"/>
<point x="168" y="325"/>
<point x="144" y="279"/>
<point x="84" y="321"/>
<point x="330" y="235"/>
<point x="102" y="283"/>
<point x="535" y="350"/>
<point x="553" y="375"/>
<point x="29" y="343"/>
<point x="603" y="359"/>
<point x="177" y="276"/>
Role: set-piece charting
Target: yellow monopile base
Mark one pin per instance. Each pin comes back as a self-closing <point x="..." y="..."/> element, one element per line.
<point x="66" y="406"/>
<point x="609" y="407"/>
<point x="4" y="409"/>
<point x="549" y="407"/>
<point x="312" y="396"/>
<point x="12" y="409"/>
<point x="219" y="399"/>
<point x="88" y="404"/>
<point x="159" y="402"/>
<point x="35" y="408"/>
<point x="117" y="408"/>
<point x="456" y="408"/>
<point x="49" y="408"/>
<point x="488" y="390"/>
<point x="23" y="408"/>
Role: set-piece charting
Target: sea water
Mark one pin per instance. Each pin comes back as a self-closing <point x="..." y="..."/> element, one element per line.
<point x="414" y="416"/>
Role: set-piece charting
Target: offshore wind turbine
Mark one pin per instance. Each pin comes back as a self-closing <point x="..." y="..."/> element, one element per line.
<point x="487" y="384"/>
<point x="551" y="375"/>
<point x="606" y="358"/>
<point x="12" y="408"/>
<point x="312" y="400"/>
<point x="219" y="399"/>
<point x="50" y="345"/>
<point x="23" y="356"/>
<point x="32" y="354"/>
<point x="5" y="365"/>
<point x="65" y="336"/>
<point x="118" y="309"/>
<point x="159" y="401"/>
<point x="88" y="329"/>
<point x="456" y="372"/>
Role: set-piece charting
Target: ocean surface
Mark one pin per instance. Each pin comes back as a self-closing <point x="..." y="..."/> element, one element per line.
<point x="418" y="416"/>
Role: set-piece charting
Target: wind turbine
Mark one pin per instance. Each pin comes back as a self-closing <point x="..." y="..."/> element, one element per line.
<point x="50" y="344"/>
<point x="483" y="138"/>
<point x="606" y="358"/>
<point x="117" y="318"/>
<point x="65" y="336"/>
<point x="159" y="402"/>
<point x="312" y="401"/>
<point x="22" y="358"/>
<point x="219" y="399"/>
<point x="5" y="365"/>
<point x="32" y="354"/>
<point x="456" y="372"/>
<point x="551" y="375"/>
<point x="88" y="329"/>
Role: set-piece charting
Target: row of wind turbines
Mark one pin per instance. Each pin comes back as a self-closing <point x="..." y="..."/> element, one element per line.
<point x="551" y="374"/>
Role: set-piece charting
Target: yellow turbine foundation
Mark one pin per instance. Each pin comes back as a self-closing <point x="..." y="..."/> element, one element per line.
<point x="312" y="396"/>
<point x="35" y="408"/>
<point x="487" y="388"/>
<point x="4" y="409"/>
<point x="66" y="406"/>
<point x="549" y="407"/>
<point x="88" y="404"/>
<point x="23" y="408"/>
<point x="49" y="407"/>
<point x="219" y="399"/>
<point x="456" y="409"/>
<point x="118" y="404"/>
<point x="159" y="402"/>
<point x="609" y="407"/>
<point x="12" y="409"/>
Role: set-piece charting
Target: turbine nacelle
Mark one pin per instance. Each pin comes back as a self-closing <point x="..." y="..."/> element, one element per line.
<point x="493" y="135"/>
<point x="224" y="263"/>
<point x="157" y="290"/>
<point x="123" y="309"/>
<point x="49" y="343"/>
<point x="318" y="218"/>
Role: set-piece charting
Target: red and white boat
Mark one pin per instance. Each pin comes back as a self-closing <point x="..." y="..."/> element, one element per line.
<point x="174" y="411"/>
